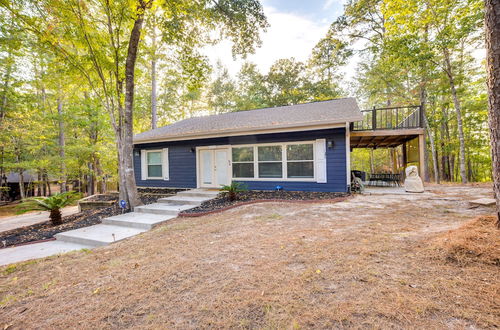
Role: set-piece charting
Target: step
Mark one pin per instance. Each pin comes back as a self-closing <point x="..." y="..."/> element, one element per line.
<point x="186" y="200"/>
<point x="98" y="235"/>
<point x="137" y="220"/>
<point x="199" y="193"/>
<point x="161" y="208"/>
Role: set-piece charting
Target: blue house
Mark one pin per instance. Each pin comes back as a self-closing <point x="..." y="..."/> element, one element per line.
<point x="302" y="147"/>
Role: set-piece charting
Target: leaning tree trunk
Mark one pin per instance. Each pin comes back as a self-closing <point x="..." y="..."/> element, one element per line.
<point x="493" y="66"/>
<point x="458" y="110"/>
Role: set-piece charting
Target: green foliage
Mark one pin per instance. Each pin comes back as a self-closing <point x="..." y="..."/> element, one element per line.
<point x="232" y="190"/>
<point x="52" y="203"/>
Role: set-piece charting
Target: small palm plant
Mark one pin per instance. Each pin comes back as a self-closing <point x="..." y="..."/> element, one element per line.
<point x="232" y="190"/>
<point x="53" y="203"/>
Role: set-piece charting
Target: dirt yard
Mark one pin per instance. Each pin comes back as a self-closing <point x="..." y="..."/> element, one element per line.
<point x="372" y="261"/>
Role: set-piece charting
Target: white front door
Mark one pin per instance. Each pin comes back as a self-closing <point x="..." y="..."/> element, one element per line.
<point x="214" y="168"/>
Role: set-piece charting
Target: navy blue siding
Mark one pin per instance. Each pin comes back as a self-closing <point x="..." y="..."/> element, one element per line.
<point x="182" y="161"/>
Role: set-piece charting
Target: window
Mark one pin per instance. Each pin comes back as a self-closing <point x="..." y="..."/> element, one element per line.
<point x="300" y="160"/>
<point x="243" y="161"/>
<point x="154" y="164"/>
<point x="270" y="162"/>
<point x="284" y="161"/>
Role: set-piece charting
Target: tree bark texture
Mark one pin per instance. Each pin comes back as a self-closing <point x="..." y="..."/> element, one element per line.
<point x="492" y="19"/>
<point x="128" y="188"/>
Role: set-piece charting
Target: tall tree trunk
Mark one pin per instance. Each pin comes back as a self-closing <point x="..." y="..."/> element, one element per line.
<point x="153" y="81"/>
<point x="100" y="178"/>
<point x="2" y="173"/>
<point x="128" y="188"/>
<point x="62" y="142"/>
<point x="21" y="184"/>
<point x="39" y="184"/>
<point x="91" y="179"/>
<point x="423" y="108"/>
<point x="6" y="81"/>
<point x="493" y="66"/>
<point x="458" y="111"/>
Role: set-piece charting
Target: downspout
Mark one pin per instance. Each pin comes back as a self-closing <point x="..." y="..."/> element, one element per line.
<point x="348" y="155"/>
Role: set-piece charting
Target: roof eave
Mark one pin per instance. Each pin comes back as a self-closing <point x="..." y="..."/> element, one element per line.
<point x="238" y="132"/>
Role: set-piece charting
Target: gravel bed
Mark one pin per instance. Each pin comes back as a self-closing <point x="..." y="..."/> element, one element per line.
<point x="221" y="201"/>
<point x="162" y="191"/>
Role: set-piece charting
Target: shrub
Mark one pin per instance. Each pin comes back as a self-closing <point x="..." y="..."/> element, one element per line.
<point x="53" y="204"/>
<point x="234" y="189"/>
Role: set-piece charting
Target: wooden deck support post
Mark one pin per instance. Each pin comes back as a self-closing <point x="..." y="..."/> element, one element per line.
<point x="421" y="155"/>
<point x="405" y="156"/>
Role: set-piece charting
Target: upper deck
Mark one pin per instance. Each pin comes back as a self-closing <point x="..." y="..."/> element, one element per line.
<point x="387" y="127"/>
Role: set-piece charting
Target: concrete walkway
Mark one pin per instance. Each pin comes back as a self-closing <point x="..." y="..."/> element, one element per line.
<point x="29" y="219"/>
<point x="112" y="229"/>
<point x="35" y="251"/>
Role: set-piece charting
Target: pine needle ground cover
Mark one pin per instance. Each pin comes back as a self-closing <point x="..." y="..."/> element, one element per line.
<point x="369" y="261"/>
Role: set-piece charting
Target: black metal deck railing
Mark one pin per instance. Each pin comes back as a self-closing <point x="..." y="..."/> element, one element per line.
<point x="390" y="118"/>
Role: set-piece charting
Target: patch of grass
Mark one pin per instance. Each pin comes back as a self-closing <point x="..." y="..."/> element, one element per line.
<point x="12" y="268"/>
<point x="8" y="299"/>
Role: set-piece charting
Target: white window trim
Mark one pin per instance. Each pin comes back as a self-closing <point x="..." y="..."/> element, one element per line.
<point x="284" y="161"/>
<point x="163" y="163"/>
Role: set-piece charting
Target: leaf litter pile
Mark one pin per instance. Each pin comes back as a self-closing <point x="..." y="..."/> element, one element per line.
<point x="379" y="261"/>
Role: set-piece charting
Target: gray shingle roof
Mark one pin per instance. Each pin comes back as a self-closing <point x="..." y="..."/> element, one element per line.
<point x="300" y="115"/>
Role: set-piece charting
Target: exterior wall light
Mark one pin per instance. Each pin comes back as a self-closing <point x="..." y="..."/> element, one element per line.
<point x="330" y="144"/>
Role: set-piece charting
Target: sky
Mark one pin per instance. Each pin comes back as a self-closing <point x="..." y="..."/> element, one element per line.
<point x="296" y="26"/>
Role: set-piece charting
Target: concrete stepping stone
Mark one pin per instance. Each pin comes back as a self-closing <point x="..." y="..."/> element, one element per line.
<point x="199" y="193"/>
<point x="98" y="235"/>
<point x="162" y="208"/>
<point x="137" y="220"/>
<point x="180" y="200"/>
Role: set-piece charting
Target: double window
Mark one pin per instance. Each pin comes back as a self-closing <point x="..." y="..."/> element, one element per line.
<point x="274" y="161"/>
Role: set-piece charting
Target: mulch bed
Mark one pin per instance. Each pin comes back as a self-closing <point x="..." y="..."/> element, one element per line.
<point x="222" y="202"/>
<point x="161" y="191"/>
<point x="45" y="230"/>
